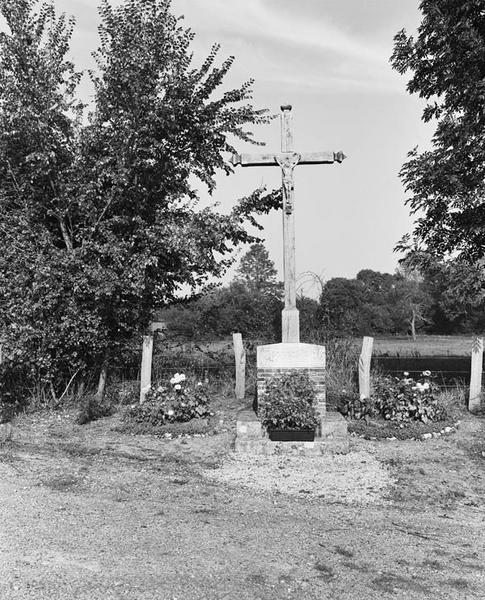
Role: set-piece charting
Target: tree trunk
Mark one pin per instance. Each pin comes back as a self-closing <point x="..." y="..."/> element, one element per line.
<point x="413" y="325"/>
<point x="80" y="390"/>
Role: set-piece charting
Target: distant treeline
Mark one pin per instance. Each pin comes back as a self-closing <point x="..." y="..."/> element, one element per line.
<point x="372" y="303"/>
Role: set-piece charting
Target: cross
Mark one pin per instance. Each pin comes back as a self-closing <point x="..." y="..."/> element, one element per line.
<point x="287" y="160"/>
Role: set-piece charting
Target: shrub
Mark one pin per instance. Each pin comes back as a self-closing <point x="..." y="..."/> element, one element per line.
<point x="288" y="402"/>
<point x="93" y="409"/>
<point x="350" y="405"/>
<point x="179" y="401"/>
<point x="405" y="399"/>
<point x="122" y="392"/>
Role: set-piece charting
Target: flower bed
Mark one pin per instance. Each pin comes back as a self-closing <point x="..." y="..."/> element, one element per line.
<point x="180" y="400"/>
<point x="399" y="408"/>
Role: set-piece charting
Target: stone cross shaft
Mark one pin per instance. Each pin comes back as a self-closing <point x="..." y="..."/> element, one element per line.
<point x="287" y="160"/>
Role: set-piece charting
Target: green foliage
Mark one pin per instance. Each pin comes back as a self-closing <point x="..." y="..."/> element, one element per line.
<point x="178" y="401"/>
<point x="257" y="271"/>
<point x="341" y="369"/>
<point x="405" y="400"/>
<point x="92" y="409"/>
<point x="98" y="218"/>
<point x="374" y="303"/>
<point x="251" y="304"/>
<point x="288" y="402"/>
<point x="446" y="185"/>
<point x="350" y="405"/>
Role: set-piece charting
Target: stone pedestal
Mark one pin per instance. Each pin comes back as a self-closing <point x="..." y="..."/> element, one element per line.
<point x="274" y="359"/>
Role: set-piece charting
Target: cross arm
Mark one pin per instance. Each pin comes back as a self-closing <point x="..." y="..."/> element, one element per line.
<point x="307" y="158"/>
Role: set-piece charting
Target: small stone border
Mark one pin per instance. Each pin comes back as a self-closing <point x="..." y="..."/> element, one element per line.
<point x="425" y="436"/>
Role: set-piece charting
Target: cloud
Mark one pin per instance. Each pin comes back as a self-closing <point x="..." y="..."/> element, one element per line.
<point x="285" y="46"/>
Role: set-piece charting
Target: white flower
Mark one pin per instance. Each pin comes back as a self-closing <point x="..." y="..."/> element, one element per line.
<point x="170" y="413"/>
<point x="177" y="378"/>
<point x="200" y="383"/>
<point x="406" y="374"/>
<point x="426" y="373"/>
<point x="177" y="386"/>
<point x="422" y="386"/>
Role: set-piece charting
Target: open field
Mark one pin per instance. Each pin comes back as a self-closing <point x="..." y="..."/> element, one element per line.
<point x="91" y="513"/>
<point x="425" y="345"/>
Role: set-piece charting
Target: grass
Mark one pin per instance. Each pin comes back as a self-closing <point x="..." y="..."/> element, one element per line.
<point x="193" y="427"/>
<point x="424" y="345"/>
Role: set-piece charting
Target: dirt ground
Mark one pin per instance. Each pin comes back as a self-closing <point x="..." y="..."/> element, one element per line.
<point x="90" y="513"/>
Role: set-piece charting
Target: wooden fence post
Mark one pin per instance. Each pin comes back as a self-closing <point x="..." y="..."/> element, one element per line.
<point x="146" y="357"/>
<point x="364" y="367"/>
<point x="146" y="366"/>
<point x="240" y="358"/>
<point x="475" y="397"/>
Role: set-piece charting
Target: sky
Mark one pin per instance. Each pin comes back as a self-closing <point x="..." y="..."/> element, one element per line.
<point x="329" y="59"/>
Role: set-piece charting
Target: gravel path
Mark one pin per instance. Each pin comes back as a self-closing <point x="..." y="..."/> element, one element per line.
<point x="89" y="514"/>
<point x="351" y="478"/>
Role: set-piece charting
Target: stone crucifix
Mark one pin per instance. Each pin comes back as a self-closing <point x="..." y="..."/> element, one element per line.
<point x="287" y="160"/>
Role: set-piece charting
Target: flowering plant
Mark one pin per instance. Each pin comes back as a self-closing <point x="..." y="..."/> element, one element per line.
<point x="181" y="400"/>
<point x="353" y="406"/>
<point x="405" y="399"/>
<point x="288" y="402"/>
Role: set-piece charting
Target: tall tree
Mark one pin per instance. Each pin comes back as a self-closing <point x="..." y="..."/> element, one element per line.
<point x="104" y="214"/>
<point x="447" y="184"/>
<point x="256" y="270"/>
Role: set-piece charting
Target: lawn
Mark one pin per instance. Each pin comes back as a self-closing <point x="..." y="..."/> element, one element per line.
<point x="424" y="345"/>
<point x="89" y="512"/>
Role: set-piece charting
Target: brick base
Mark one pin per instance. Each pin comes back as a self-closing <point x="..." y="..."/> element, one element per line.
<point x="252" y="438"/>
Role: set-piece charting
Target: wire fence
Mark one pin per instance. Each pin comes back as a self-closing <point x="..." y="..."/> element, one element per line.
<point x="214" y="360"/>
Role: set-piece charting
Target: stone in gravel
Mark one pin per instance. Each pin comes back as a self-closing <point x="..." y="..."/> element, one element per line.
<point x="427" y="436"/>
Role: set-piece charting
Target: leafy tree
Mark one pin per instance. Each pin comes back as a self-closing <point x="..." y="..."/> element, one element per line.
<point x="256" y="270"/>
<point x="341" y="305"/>
<point x="310" y="319"/>
<point x="250" y="304"/>
<point x="100" y="221"/>
<point x="413" y="301"/>
<point x="458" y="292"/>
<point x="447" y="184"/>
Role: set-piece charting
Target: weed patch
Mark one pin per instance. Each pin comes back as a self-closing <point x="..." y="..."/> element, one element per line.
<point x="325" y="572"/>
<point x="61" y="483"/>
<point x="392" y="582"/>
<point x="458" y="583"/>
<point x="433" y="564"/>
<point x="344" y="552"/>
